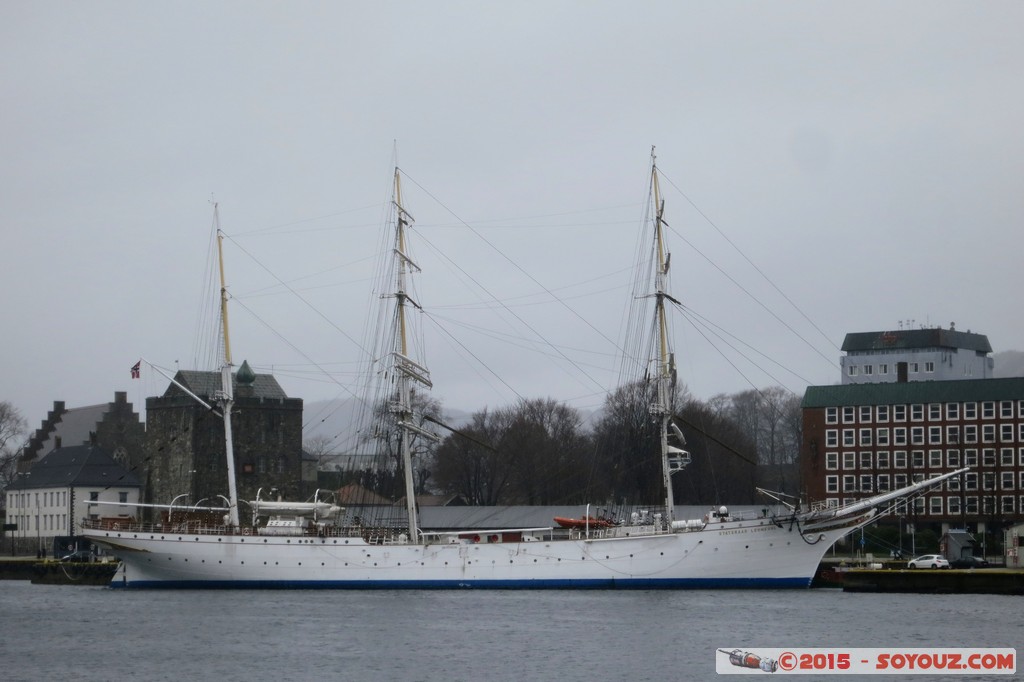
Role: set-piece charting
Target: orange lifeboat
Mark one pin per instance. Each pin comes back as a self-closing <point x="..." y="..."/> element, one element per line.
<point x="585" y="522"/>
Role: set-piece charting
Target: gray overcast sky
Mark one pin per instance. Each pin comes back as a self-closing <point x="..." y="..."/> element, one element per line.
<point x="867" y="156"/>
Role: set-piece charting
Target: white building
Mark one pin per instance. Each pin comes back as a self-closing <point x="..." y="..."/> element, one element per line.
<point x="915" y="355"/>
<point x="69" y="484"/>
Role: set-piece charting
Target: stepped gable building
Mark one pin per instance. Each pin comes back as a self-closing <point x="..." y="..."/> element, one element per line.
<point x="186" y="449"/>
<point x="113" y="426"/>
<point x="915" y="355"/>
<point x="67" y="485"/>
<point x="863" y="439"/>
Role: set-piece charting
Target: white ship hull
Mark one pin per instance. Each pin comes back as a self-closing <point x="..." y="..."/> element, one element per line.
<point x="740" y="554"/>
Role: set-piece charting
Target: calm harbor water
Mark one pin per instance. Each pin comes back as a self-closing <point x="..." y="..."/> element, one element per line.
<point x="94" y="633"/>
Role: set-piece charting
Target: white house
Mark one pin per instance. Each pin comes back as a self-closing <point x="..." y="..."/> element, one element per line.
<point x="66" y="486"/>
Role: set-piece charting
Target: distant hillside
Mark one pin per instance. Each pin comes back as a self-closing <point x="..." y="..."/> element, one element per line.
<point x="1009" y="363"/>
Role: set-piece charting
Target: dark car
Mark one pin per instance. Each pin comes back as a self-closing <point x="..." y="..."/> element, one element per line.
<point x="969" y="562"/>
<point x="82" y="555"/>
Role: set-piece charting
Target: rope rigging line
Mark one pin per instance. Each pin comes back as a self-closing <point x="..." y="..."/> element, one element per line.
<point x="752" y="264"/>
<point x="518" y="267"/>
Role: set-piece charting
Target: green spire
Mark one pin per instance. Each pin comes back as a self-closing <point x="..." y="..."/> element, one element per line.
<point x="245" y="375"/>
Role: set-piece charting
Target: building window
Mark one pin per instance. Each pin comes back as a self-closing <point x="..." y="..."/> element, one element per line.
<point x="831" y="461"/>
<point x="849" y="438"/>
<point x="917" y="435"/>
<point x="988" y="433"/>
<point x="953" y="505"/>
<point x="1006" y="409"/>
<point x="953" y="483"/>
<point x="831" y="415"/>
<point x="934" y="435"/>
<point x="865" y="483"/>
<point x="952" y="411"/>
<point x="848" y="414"/>
<point x="1006" y="504"/>
<point x="935" y="459"/>
<point x="970" y="433"/>
<point x="935" y="505"/>
<point x="953" y="435"/>
<point x="970" y="458"/>
<point x="899" y="435"/>
<point x="832" y="438"/>
<point x="988" y="457"/>
<point x="917" y="413"/>
<point x="899" y="459"/>
<point x="988" y="481"/>
<point x="852" y="370"/>
<point x="934" y="412"/>
<point x="865" y="414"/>
<point x="882" y="459"/>
<point x="865" y="460"/>
<point x="849" y="460"/>
<point x="1020" y="457"/>
<point x="1006" y="480"/>
<point x="849" y="484"/>
<point x="917" y="457"/>
<point x="882" y="413"/>
<point x="988" y="410"/>
<point x="869" y="370"/>
<point x="970" y="410"/>
<point x="1006" y="457"/>
<point x="831" y="502"/>
<point x="865" y="437"/>
<point x="94" y="496"/>
<point x="919" y="505"/>
<point x="882" y="436"/>
<point x="122" y="497"/>
<point x="929" y="367"/>
<point x="953" y="459"/>
<point x="915" y="368"/>
<point x="899" y="413"/>
<point x="1020" y="409"/>
<point x="883" y="483"/>
<point x="1006" y="433"/>
<point x="971" y="503"/>
<point x="831" y="484"/>
<point x="883" y="369"/>
<point x="1020" y="480"/>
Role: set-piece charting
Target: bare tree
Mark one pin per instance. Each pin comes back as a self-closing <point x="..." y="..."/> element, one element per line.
<point x="320" y="447"/>
<point x="468" y="464"/>
<point x="12" y="429"/>
<point x="388" y="478"/>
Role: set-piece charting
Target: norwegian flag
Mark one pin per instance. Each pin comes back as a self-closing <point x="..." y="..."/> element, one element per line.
<point x="137" y="370"/>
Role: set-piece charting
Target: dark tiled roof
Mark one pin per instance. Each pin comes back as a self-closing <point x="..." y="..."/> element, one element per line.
<point x="905" y="339"/>
<point x="75" y="466"/>
<point x="206" y="384"/>
<point x="967" y="390"/>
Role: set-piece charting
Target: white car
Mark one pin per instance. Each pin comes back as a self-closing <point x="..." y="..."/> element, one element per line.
<point x="928" y="561"/>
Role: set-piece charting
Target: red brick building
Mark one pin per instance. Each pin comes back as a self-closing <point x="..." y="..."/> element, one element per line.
<point x="862" y="439"/>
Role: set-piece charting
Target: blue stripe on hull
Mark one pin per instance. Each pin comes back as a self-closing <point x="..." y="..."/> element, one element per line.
<point x="633" y="584"/>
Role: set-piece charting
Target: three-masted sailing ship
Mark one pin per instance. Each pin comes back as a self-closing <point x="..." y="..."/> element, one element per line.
<point x="307" y="545"/>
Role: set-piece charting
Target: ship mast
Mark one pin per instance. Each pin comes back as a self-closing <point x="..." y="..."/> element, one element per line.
<point x="407" y="370"/>
<point x="673" y="459"/>
<point x="225" y="397"/>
